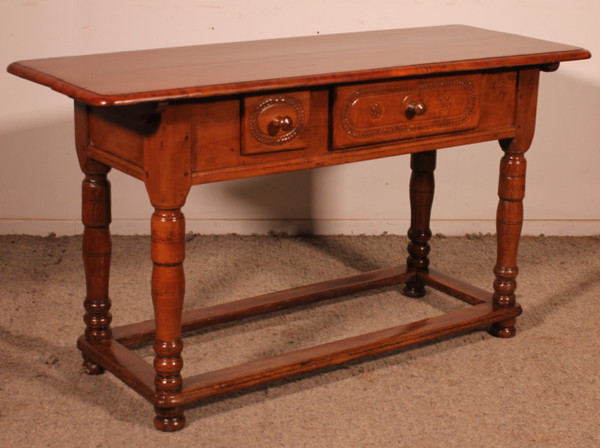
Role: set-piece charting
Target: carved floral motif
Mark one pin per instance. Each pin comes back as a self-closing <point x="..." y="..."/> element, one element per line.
<point x="444" y="89"/>
<point x="280" y="138"/>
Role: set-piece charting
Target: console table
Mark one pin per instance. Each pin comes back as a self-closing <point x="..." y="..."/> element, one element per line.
<point x="178" y="117"/>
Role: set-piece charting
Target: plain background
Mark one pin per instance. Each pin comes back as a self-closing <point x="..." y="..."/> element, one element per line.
<point x="40" y="179"/>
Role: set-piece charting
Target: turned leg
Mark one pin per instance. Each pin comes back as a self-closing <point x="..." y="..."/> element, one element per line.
<point x="509" y="219"/>
<point x="167" y="166"/>
<point x="96" y="257"/>
<point x="168" y="287"/>
<point x="511" y="191"/>
<point x="421" y="199"/>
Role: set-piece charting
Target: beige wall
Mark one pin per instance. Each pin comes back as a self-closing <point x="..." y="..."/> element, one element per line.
<point x="39" y="176"/>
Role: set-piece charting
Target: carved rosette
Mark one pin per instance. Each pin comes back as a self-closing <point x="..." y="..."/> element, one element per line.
<point x="270" y="109"/>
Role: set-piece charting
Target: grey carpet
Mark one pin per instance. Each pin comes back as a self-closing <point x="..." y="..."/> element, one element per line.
<point x="539" y="389"/>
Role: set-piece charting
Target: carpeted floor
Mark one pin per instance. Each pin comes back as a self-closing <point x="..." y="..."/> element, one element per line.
<point x="539" y="389"/>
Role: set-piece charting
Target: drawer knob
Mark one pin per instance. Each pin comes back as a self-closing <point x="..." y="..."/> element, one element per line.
<point x="280" y="123"/>
<point x="415" y="108"/>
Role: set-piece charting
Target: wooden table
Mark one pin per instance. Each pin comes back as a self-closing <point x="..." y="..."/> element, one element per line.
<point x="179" y="117"/>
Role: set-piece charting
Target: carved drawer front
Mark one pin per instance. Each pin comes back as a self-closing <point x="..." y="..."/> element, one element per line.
<point x="383" y="112"/>
<point x="277" y="122"/>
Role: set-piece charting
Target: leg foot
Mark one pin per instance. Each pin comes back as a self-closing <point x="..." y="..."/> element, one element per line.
<point x="414" y="289"/>
<point x="92" y="368"/>
<point x="504" y="330"/>
<point x="169" y="419"/>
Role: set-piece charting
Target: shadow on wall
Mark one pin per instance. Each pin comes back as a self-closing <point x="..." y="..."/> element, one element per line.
<point x="40" y="184"/>
<point x="561" y="175"/>
<point x="562" y="179"/>
<point x="39" y="172"/>
<point x="289" y="197"/>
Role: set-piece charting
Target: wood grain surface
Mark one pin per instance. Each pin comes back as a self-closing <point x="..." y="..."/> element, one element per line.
<point x="217" y="69"/>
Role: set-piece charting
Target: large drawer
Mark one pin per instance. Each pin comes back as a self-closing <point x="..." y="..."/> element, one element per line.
<point x="372" y="113"/>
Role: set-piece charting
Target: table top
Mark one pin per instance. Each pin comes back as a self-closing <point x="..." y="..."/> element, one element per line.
<point x="232" y="68"/>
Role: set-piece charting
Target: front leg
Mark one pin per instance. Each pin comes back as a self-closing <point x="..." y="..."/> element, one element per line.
<point x="509" y="220"/>
<point x="167" y="163"/>
<point x="168" y="289"/>
<point x="511" y="191"/>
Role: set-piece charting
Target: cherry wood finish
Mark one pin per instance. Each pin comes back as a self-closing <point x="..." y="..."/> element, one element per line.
<point x="421" y="190"/>
<point x="96" y="245"/>
<point x="169" y="74"/>
<point x="178" y="117"/>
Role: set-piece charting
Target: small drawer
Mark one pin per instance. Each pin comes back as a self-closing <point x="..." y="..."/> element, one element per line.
<point x="374" y="113"/>
<point x="273" y="123"/>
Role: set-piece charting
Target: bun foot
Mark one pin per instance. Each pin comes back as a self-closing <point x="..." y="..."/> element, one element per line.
<point x="169" y="420"/>
<point x="414" y="290"/>
<point x="91" y="368"/>
<point x="502" y="331"/>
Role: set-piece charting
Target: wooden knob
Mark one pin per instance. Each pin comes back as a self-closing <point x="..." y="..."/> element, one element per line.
<point x="280" y="123"/>
<point x="415" y="108"/>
